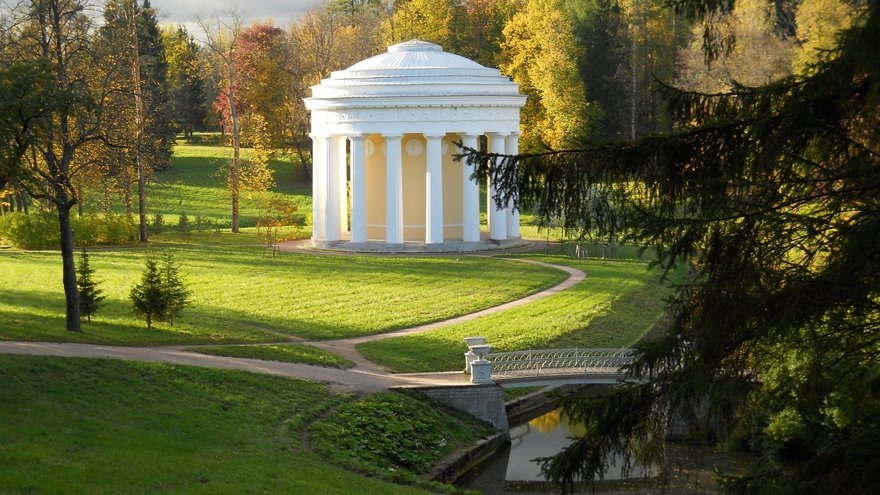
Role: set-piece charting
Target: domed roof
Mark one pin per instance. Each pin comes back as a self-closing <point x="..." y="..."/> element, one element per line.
<point x="415" y="68"/>
<point x="413" y="54"/>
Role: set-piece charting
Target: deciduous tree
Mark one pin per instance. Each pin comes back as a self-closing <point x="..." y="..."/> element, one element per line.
<point x="55" y="36"/>
<point x="818" y="24"/>
<point x="760" y="54"/>
<point x="222" y="41"/>
<point x="540" y="54"/>
<point x="428" y="20"/>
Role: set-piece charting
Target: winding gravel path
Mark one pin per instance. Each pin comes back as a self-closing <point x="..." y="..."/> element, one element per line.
<point x="365" y="377"/>
<point x="347" y="347"/>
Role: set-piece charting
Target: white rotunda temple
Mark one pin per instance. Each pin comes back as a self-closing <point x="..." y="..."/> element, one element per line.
<point x="395" y="118"/>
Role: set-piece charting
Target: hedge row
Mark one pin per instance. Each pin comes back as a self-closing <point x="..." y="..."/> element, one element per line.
<point x="40" y="230"/>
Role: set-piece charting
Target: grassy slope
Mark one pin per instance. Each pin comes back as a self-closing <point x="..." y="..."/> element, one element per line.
<point x="612" y="307"/>
<point x="396" y="431"/>
<point x="193" y="185"/>
<point x="97" y="426"/>
<point x="240" y="295"/>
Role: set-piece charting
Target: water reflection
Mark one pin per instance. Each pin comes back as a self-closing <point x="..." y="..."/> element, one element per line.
<point x="544" y="436"/>
<point x="513" y="471"/>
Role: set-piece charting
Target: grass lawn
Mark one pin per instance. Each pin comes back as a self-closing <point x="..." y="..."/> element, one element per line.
<point x="613" y="307"/>
<point x="287" y="353"/>
<point x="194" y="185"/>
<point x="399" y="434"/>
<point x="98" y="426"/>
<point x="242" y="296"/>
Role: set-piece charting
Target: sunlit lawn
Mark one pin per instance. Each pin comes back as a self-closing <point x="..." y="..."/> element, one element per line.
<point x="242" y="295"/>
<point x="613" y="307"/>
<point x="75" y="425"/>
<point x="195" y="186"/>
<point x="288" y="353"/>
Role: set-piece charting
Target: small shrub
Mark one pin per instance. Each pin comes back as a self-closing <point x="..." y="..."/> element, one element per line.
<point x="157" y="223"/>
<point x="201" y="223"/>
<point x="90" y="295"/>
<point x="183" y="225"/>
<point x="86" y="229"/>
<point x="40" y="230"/>
<point x="30" y="231"/>
<point x="117" y="229"/>
<point x="147" y="298"/>
<point x="160" y="295"/>
<point x="176" y="295"/>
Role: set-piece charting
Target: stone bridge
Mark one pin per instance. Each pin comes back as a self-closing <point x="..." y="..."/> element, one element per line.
<point x="490" y="373"/>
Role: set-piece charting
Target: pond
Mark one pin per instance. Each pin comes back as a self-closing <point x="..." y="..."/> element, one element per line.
<point x="689" y="469"/>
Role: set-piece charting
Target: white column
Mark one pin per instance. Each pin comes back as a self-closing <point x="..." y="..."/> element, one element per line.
<point x="471" y="196"/>
<point x="343" y="184"/>
<point x="393" y="190"/>
<point x="331" y="211"/>
<point x="497" y="218"/>
<point x="358" y="190"/>
<point x="511" y="147"/>
<point x="433" y="190"/>
<point x="318" y="192"/>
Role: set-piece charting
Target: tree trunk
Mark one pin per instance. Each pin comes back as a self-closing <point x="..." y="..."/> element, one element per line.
<point x="235" y="171"/>
<point x="139" y="128"/>
<point x="126" y="191"/>
<point x="304" y="165"/>
<point x="71" y="294"/>
<point x="634" y="104"/>
<point x="19" y="201"/>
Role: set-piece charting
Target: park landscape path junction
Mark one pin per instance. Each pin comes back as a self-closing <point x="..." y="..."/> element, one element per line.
<point x="477" y="390"/>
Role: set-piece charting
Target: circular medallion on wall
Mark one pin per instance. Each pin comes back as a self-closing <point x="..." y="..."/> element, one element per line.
<point x="369" y="147"/>
<point x="414" y="147"/>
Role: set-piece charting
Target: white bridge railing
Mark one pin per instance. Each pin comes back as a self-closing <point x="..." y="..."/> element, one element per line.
<point x="486" y="367"/>
<point x="558" y="362"/>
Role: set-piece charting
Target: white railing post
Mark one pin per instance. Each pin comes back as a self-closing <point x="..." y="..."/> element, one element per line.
<point x="481" y="372"/>
<point x="470" y="356"/>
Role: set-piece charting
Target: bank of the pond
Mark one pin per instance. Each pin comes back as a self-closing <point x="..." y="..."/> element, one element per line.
<point x="519" y="410"/>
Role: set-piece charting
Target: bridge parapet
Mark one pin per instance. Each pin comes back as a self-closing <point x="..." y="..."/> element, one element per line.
<point x="546" y="362"/>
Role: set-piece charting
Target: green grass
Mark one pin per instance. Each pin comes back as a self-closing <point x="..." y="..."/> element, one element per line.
<point x="287" y="353"/>
<point x="98" y="426"/>
<point x="193" y="185"/>
<point x="240" y="295"/>
<point x="247" y="236"/>
<point x="613" y="307"/>
<point x="396" y="435"/>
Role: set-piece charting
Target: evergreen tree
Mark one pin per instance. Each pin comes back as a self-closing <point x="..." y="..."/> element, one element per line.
<point x="772" y="195"/>
<point x="148" y="297"/>
<point x="90" y="295"/>
<point x="158" y="106"/>
<point x="601" y="31"/>
<point x="161" y="294"/>
<point x="176" y="295"/>
<point x="185" y="81"/>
